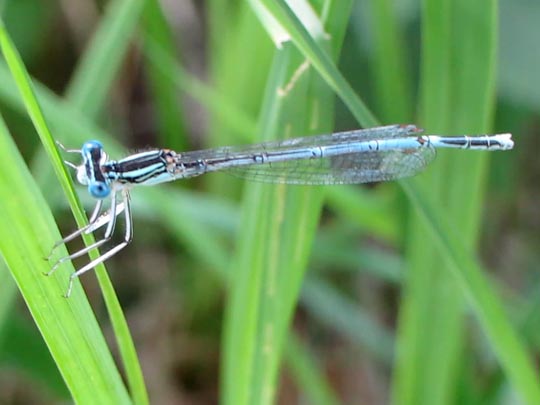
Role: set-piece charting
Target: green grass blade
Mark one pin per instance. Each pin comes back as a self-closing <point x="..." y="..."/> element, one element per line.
<point x="125" y="342"/>
<point x="431" y="321"/>
<point x="8" y="292"/>
<point x="23" y="348"/>
<point x="68" y="327"/>
<point x="457" y="97"/>
<point x="278" y="228"/>
<point x="105" y="53"/>
<point x="87" y="93"/>
<point x="484" y="302"/>
<point x="246" y="286"/>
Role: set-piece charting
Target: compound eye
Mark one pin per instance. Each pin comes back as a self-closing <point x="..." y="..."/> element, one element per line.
<point x="91" y="145"/>
<point x="99" y="189"/>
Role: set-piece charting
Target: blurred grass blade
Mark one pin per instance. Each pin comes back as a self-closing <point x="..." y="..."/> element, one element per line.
<point x="320" y="60"/>
<point x="103" y="56"/>
<point x="457" y="96"/>
<point x="8" y="292"/>
<point x="68" y="327"/>
<point x="334" y="310"/>
<point x="486" y="305"/>
<point x="168" y="108"/>
<point x="239" y="80"/>
<point x="391" y="70"/>
<point x="372" y="213"/>
<point x="305" y="369"/>
<point x="231" y="117"/>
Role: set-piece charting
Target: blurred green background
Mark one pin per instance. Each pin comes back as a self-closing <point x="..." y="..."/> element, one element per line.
<point x="266" y="294"/>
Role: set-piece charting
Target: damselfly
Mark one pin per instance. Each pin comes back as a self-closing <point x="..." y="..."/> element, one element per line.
<point x="360" y="156"/>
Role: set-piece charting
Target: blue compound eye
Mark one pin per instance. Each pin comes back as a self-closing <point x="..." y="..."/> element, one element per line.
<point x="91" y="145"/>
<point x="99" y="189"/>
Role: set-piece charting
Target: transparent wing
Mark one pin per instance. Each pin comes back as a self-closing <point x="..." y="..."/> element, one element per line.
<point x="337" y="138"/>
<point x="364" y="167"/>
<point x="348" y="158"/>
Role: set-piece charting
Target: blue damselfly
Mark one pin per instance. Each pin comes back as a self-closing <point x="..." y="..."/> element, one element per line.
<point x="360" y="156"/>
